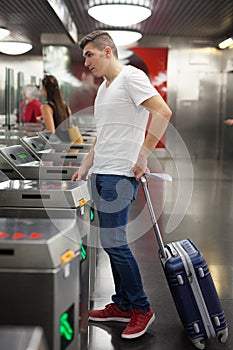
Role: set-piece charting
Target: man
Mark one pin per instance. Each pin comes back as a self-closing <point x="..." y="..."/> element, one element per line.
<point x="117" y="159"/>
<point x="229" y="121"/>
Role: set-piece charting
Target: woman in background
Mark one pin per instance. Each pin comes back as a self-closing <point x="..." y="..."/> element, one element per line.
<point x="32" y="112"/>
<point x="55" y="112"/>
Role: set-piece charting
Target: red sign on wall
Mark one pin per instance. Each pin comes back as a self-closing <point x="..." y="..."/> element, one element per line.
<point x="156" y="61"/>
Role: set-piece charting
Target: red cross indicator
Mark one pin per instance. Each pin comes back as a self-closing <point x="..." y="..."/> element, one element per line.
<point x="18" y="235"/>
<point x="35" y="235"/>
<point x="4" y="235"/>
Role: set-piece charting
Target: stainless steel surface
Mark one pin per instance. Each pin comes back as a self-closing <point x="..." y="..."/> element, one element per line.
<point x="58" y="145"/>
<point x="195" y="88"/>
<point x="40" y="297"/>
<point x="44" y="151"/>
<point x="37" y="243"/>
<point x="43" y="194"/>
<point x="226" y="132"/>
<point x="27" y="167"/>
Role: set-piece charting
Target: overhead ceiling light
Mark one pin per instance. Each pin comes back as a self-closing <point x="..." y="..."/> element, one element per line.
<point x="124" y="37"/>
<point x="14" y="47"/>
<point x="226" y="43"/>
<point x="120" y="12"/>
<point x="4" y="33"/>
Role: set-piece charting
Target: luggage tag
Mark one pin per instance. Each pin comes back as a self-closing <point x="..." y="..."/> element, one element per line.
<point x="160" y="176"/>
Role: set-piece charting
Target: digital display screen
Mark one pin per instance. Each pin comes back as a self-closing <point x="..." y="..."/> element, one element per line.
<point x="22" y="155"/>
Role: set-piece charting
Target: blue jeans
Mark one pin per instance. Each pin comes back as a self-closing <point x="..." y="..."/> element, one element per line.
<point x="112" y="195"/>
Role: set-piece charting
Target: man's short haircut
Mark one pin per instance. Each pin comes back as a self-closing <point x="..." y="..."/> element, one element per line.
<point x="100" y="39"/>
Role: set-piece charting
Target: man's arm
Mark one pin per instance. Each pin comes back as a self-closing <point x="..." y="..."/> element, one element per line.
<point x="161" y="115"/>
<point x="229" y="121"/>
<point x="87" y="163"/>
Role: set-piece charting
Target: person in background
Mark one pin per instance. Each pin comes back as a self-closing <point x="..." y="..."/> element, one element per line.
<point x="32" y="112"/>
<point x="116" y="161"/>
<point x="229" y="121"/>
<point x="55" y="112"/>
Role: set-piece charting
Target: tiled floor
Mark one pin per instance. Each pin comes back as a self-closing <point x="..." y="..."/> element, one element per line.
<point x="208" y="221"/>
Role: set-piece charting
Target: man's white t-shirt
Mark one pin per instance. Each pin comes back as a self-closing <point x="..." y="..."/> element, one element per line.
<point x="121" y="121"/>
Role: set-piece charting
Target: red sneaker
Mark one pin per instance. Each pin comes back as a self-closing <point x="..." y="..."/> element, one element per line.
<point x="111" y="312"/>
<point x="139" y="323"/>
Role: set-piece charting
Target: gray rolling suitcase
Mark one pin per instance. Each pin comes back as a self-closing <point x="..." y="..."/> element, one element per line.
<point x="191" y="285"/>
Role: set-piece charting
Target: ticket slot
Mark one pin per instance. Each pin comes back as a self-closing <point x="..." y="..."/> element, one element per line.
<point x="35" y="196"/>
<point x="77" y="146"/>
<point x="68" y="157"/>
<point x="6" y="251"/>
<point x="54" y="171"/>
<point x="8" y="171"/>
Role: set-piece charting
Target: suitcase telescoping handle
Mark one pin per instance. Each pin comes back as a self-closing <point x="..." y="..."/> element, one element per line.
<point x="151" y="210"/>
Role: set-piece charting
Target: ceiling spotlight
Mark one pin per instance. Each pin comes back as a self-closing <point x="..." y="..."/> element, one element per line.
<point x="14" y="47"/>
<point x="120" y="12"/>
<point x="124" y="38"/>
<point x="4" y="33"/>
<point x="226" y="43"/>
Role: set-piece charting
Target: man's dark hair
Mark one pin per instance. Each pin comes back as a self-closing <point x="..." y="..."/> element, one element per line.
<point x="100" y="39"/>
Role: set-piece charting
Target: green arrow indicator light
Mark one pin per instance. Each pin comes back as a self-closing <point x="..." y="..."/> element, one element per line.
<point x="66" y="330"/>
<point x="92" y="214"/>
<point x="83" y="251"/>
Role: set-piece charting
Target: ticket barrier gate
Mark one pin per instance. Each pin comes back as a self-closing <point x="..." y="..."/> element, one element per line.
<point x="42" y="150"/>
<point x="59" y="145"/>
<point x="16" y="162"/>
<point x="40" y="277"/>
<point x="36" y="197"/>
<point x="53" y="199"/>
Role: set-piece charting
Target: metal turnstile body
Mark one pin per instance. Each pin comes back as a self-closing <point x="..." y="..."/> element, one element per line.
<point x="33" y="200"/>
<point x="46" y="194"/>
<point x="42" y="150"/>
<point x="59" y="145"/>
<point x="16" y="162"/>
<point x="40" y="277"/>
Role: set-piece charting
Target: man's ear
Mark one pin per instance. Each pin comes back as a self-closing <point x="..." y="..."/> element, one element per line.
<point x="108" y="51"/>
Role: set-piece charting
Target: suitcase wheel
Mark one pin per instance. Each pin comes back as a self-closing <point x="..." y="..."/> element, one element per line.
<point x="223" y="335"/>
<point x="199" y="343"/>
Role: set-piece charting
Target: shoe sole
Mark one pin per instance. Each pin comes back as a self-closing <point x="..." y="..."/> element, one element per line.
<point x="117" y="319"/>
<point x="139" y="334"/>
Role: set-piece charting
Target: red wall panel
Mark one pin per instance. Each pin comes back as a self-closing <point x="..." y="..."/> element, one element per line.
<point x="155" y="60"/>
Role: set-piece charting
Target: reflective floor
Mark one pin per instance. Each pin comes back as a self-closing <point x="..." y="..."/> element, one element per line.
<point x="196" y="205"/>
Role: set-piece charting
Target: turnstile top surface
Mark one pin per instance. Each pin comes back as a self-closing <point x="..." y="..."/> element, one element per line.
<point x="41" y="185"/>
<point x="43" y="193"/>
<point x="17" y="155"/>
<point x="39" y="147"/>
<point x="37" y="242"/>
<point x="36" y="143"/>
<point x="27" y="167"/>
<point x="57" y="144"/>
<point x="49" y="137"/>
